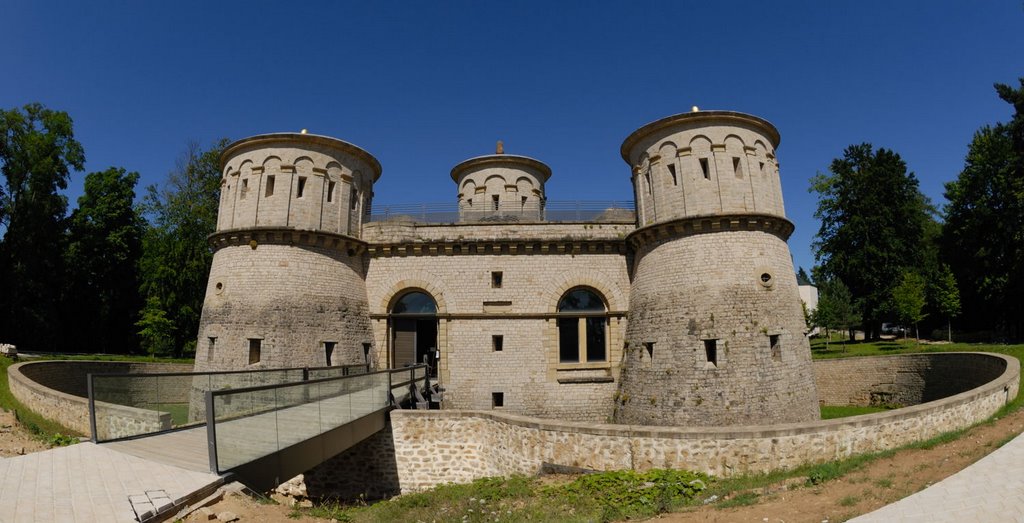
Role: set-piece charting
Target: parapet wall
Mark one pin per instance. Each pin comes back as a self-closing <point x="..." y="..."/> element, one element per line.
<point x="58" y="390"/>
<point x="435" y="447"/>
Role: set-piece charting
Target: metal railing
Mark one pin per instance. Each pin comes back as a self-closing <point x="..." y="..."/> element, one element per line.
<point x="130" y="405"/>
<point x="506" y="212"/>
<point x="247" y="424"/>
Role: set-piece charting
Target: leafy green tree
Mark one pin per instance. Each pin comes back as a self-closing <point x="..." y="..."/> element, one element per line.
<point x="874" y="223"/>
<point x="176" y="259"/>
<point x="909" y="298"/>
<point x="983" y="234"/>
<point x="836" y="309"/>
<point x="38" y="152"/>
<point x="104" y="246"/>
<point x="946" y="298"/>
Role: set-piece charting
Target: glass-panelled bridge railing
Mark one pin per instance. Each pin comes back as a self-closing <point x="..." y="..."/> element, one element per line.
<point x="506" y="211"/>
<point x="131" y="405"/>
<point x="247" y="424"/>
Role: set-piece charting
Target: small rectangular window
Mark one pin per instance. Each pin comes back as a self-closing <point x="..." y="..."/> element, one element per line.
<point x="254" y="350"/>
<point x="524" y="201"/>
<point x="672" y="171"/>
<point x="302" y="187"/>
<point x="737" y="167"/>
<point x="649" y="345"/>
<point x="497" y="342"/>
<point x="329" y="351"/>
<point x="209" y="350"/>
<point x="330" y="192"/>
<point x="497" y="201"/>
<point x="647" y="178"/>
<point x="496" y="277"/>
<point x="497" y="400"/>
<point x="705" y="168"/>
<point x="270" y="187"/>
<point x="354" y="200"/>
<point x="366" y="352"/>
<point x="711" y="352"/>
<point x="775" y="342"/>
<point x="245" y="189"/>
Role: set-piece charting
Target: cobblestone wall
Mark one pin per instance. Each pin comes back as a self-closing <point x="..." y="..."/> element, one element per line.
<point x="434" y="447"/>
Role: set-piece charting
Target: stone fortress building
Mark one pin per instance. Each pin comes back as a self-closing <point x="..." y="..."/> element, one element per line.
<point x="684" y="312"/>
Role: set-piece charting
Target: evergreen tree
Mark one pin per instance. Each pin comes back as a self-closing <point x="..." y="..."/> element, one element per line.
<point x="38" y="152"/>
<point x="104" y="247"/>
<point x="176" y="259"/>
<point x="874" y="223"/>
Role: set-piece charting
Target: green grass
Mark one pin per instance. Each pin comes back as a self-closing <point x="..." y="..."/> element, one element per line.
<point x="48" y="430"/>
<point x="178" y="411"/>
<point x="842" y="411"/>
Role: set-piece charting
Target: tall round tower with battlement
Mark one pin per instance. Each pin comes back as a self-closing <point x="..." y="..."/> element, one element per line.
<point x="715" y="331"/>
<point x="501" y="185"/>
<point x="287" y="285"/>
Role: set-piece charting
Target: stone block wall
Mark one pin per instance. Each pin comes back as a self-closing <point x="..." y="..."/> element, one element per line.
<point x="434" y="447"/>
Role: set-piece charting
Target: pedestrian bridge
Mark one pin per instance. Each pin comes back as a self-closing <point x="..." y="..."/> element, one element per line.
<point x="263" y="426"/>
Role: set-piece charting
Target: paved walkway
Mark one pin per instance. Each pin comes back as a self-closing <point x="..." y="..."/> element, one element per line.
<point x="990" y="490"/>
<point x="90" y="483"/>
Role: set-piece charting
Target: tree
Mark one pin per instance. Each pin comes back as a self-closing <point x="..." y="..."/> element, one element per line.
<point x="874" y="221"/>
<point x="909" y="300"/>
<point x="176" y="259"/>
<point x="38" y="151"/>
<point x="836" y="308"/>
<point x="983" y="234"/>
<point x="104" y="247"/>
<point x="946" y="298"/>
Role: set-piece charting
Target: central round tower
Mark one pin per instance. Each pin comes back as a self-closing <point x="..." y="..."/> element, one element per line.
<point x="716" y="332"/>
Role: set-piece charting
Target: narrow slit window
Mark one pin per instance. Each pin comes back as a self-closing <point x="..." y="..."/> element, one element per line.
<point x="354" y="200"/>
<point x="497" y="343"/>
<point x="760" y="167"/>
<point x="711" y="352"/>
<point x="330" y="192"/>
<point x="496" y="200"/>
<point x="496" y="279"/>
<point x="672" y="171"/>
<point x="302" y="187"/>
<point x="524" y="201"/>
<point x="705" y="168"/>
<point x="650" y="349"/>
<point x="497" y="400"/>
<point x="245" y="189"/>
<point x="737" y="167"/>
<point x="366" y="352"/>
<point x="255" y="346"/>
<point x="212" y="345"/>
<point x="329" y="351"/>
<point x="647" y="178"/>
<point x="270" y="187"/>
<point x="775" y="342"/>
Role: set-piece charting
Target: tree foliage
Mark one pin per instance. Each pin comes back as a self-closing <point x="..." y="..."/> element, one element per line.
<point x="909" y="298"/>
<point x="983" y="234"/>
<point x="837" y="309"/>
<point x="38" y="152"/>
<point x="176" y="260"/>
<point x="874" y="224"/>
<point x="103" y="250"/>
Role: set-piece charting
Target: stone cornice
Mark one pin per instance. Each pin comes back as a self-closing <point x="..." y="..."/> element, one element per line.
<point x="496" y="247"/>
<point x="710" y="223"/>
<point x="265" y="140"/>
<point x="499" y="159"/>
<point x="255" y="236"/>
<point x="503" y="315"/>
<point x="709" y="118"/>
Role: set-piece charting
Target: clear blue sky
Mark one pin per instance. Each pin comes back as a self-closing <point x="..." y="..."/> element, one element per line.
<point x="425" y="85"/>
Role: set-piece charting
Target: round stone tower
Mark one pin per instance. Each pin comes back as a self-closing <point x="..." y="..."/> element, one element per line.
<point x="716" y="332"/>
<point x="501" y="186"/>
<point x="287" y="285"/>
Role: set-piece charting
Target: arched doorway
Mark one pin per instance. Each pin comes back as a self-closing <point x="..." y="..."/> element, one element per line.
<point x="413" y="319"/>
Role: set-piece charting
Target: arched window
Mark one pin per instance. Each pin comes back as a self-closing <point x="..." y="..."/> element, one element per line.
<point x="415" y="303"/>
<point x="581" y="327"/>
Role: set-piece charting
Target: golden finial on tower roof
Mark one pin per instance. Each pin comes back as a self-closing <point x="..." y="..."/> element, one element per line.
<point x="304" y="131"/>
<point x="500" y="149"/>
<point x="694" y="109"/>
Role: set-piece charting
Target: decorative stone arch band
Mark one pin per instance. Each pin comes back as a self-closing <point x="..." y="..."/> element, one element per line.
<point x="682" y="227"/>
<point x="505" y="444"/>
<point x="593" y="279"/>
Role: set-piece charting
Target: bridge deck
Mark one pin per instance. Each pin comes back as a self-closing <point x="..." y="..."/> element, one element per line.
<point x="184" y="448"/>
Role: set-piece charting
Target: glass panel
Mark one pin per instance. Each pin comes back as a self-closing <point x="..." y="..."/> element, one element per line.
<point x="581" y="300"/>
<point x="415" y="303"/>
<point x="595" y="339"/>
<point x="568" y="340"/>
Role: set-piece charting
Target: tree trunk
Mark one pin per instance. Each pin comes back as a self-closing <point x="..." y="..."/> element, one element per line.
<point x="949" y="330"/>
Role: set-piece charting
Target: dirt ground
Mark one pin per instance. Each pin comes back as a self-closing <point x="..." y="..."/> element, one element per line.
<point x="15" y="440"/>
<point x="877" y="484"/>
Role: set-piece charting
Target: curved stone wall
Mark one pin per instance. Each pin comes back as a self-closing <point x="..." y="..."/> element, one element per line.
<point x="58" y="389"/>
<point x="434" y="447"/>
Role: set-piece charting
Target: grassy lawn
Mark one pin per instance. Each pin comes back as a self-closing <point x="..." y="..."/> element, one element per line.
<point x="45" y="429"/>
<point x="178" y="411"/>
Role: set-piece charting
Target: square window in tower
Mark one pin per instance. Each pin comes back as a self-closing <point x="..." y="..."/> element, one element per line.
<point x="301" y="190"/>
<point x="705" y="168"/>
<point x="329" y="351"/>
<point x="255" y="347"/>
<point x="496" y="279"/>
<point x="711" y="352"/>
<point x="497" y="400"/>
<point x="270" y="187"/>
<point x="737" y="167"/>
<point x="775" y="342"/>
<point x="497" y="343"/>
<point x="672" y="172"/>
<point x="330" y="192"/>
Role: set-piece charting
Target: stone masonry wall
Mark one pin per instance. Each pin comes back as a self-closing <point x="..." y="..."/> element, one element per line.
<point x="688" y="292"/>
<point x="434" y="447"/>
